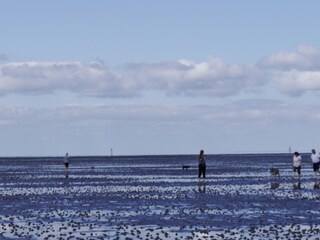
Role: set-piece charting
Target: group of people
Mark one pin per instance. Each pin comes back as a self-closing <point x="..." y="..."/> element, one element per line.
<point x="297" y="162"/>
<point x="296" y="168"/>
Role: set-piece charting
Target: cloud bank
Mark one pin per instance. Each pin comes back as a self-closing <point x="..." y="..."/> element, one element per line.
<point x="245" y="111"/>
<point x="250" y="125"/>
<point x="293" y="73"/>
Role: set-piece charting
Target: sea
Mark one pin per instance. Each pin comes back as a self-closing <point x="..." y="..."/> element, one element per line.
<point x="153" y="197"/>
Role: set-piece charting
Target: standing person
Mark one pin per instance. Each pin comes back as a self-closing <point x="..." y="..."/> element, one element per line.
<point x="296" y="164"/>
<point x="202" y="164"/>
<point x="66" y="162"/>
<point x="315" y="157"/>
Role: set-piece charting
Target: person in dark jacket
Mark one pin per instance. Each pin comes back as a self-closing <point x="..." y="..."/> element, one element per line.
<point x="202" y="164"/>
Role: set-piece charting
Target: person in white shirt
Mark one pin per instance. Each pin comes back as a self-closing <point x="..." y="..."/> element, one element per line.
<point x="296" y="164"/>
<point x="66" y="162"/>
<point x="315" y="157"/>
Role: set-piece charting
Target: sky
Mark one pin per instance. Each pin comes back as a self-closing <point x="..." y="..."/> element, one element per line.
<point x="158" y="77"/>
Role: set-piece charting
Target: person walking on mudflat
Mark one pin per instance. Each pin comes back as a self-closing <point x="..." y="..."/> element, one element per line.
<point x="66" y="162"/>
<point x="315" y="157"/>
<point x="296" y="164"/>
<point x="202" y="164"/>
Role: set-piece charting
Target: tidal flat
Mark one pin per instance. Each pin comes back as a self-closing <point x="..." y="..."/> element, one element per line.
<point x="152" y="197"/>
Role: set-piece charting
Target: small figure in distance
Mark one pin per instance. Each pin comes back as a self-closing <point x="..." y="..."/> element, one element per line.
<point x="296" y="165"/>
<point x="66" y="163"/>
<point x="315" y="157"/>
<point x="202" y="164"/>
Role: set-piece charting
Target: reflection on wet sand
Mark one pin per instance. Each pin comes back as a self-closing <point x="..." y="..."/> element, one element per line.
<point x="297" y="185"/>
<point x="275" y="185"/>
<point x="148" y="198"/>
<point x="202" y="186"/>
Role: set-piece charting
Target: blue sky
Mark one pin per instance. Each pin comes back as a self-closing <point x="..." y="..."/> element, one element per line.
<point x="158" y="77"/>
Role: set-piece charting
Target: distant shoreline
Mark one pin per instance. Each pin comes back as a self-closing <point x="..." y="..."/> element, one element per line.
<point x="147" y="155"/>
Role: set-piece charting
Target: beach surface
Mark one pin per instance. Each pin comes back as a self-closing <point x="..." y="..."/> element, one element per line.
<point x="152" y="197"/>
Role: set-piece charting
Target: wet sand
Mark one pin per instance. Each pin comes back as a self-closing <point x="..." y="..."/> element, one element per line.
<point x="148" y="198"/>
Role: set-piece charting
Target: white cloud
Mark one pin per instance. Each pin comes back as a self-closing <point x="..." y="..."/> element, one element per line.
<point x="213" y="77"/>
<point x="210" y="78"/>
<point x="292" y="73"/>
<point x="297" y="82"/>
<point x="304" y="58"/>
<point x="47" y="77"/>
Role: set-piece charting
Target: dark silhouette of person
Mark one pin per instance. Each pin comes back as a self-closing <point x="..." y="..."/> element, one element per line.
<point x="202" y="164"/>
